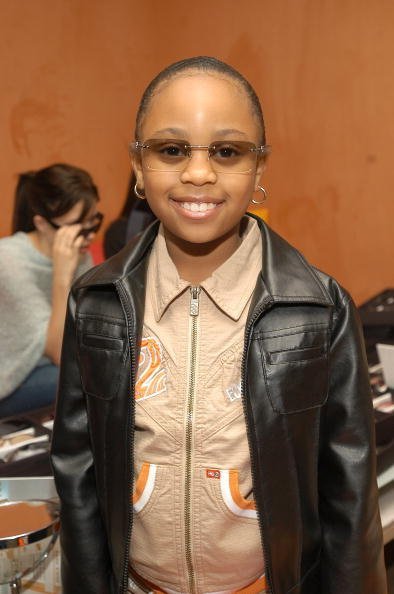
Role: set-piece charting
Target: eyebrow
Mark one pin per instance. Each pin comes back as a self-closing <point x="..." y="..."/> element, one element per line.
<point x="182" y="132"/>
<point x="81" y="219"/>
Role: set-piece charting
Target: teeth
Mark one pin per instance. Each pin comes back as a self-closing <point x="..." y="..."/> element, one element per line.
<point x="198" y="206"/>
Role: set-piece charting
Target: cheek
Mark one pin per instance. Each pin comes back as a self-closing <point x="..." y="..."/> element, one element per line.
<point x="239" y="187"/>
<point x="155" y="194"/>
<point x="158" y="185"/>
<point x="50" y="236"/>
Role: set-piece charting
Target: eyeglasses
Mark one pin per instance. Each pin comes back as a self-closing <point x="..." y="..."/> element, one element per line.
<point x="225" y="156"/>
<point x="96" y="219"/>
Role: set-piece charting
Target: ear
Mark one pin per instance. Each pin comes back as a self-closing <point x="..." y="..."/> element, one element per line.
<point x="137" y="168"/>
<point x="259" y="171"/>
<point x="40" y="223"/>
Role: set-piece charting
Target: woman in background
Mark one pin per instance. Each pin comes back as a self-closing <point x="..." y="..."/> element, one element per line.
<point x="55" y="220"/>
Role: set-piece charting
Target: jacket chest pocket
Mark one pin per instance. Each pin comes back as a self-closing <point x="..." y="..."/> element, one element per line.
<point x="296" y="369"/>
<point x="102" y="347"/>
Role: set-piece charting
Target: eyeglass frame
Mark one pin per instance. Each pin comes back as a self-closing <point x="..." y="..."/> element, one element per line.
<point x="264" y="149"/>
<point x="83" y="232"/>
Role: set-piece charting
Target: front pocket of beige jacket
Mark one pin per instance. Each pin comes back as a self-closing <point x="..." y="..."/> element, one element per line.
<point x="228" y="532"/>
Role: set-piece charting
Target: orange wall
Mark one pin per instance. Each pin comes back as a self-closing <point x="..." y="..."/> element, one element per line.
<point x="72" y="72"/>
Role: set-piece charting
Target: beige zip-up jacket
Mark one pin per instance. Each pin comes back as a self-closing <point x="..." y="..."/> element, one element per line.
<point x="195" y="526"/>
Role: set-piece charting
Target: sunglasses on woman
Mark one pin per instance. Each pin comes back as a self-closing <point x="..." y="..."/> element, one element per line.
<point x="96" y="220"/>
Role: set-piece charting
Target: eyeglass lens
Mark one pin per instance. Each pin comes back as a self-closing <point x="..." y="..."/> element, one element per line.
<point x="96" y="219"/>
<point x="224" y="156"/>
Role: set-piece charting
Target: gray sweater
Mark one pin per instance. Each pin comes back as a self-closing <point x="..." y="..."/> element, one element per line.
<point x="25" y="308"/>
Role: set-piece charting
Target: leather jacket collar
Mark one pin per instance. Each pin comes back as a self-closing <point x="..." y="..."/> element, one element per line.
<point x="278" y="281"/>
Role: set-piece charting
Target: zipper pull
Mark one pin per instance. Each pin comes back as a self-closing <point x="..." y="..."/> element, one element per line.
<point x="194" y="302"/>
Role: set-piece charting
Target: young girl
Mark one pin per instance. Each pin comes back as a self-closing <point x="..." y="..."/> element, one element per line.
<point x="214" y="430"/>
<point x="55" y="220"/>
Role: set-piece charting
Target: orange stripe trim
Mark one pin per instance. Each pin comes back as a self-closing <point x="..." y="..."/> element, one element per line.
<point x="259" y="585"/>
<point x="236" y="495"/>
<point x="141" y="482"/>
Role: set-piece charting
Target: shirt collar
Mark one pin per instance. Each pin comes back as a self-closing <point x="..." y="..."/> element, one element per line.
<point x="230" y="286"/>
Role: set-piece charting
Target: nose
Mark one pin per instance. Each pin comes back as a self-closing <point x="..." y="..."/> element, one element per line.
<point x="87" y="239"/>
<point x="91" y="236"/>
<point x="198" y="169"/>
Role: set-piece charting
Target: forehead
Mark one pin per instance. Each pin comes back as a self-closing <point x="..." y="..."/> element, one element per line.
<point x="75" y="213"/>
<point x="200" y="102"/>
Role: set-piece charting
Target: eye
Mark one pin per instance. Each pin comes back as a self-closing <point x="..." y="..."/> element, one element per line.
<point x="226" y="151"/>
<point x="169" y="150"/>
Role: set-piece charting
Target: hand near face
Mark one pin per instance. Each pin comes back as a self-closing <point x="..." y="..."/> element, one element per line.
<point x="66" y="252"/>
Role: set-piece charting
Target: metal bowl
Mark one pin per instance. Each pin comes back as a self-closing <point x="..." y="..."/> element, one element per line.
<point x="28" y="531"/>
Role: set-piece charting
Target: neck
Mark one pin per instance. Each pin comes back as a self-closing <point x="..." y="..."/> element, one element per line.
<point x="41" y="243"/>
<point x="196" y="262"/>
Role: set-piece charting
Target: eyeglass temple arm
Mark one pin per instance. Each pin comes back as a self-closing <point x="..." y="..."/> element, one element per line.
<point x="264" y="149"/>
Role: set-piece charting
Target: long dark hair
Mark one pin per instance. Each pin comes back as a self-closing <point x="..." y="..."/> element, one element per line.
<point x="51" y="192"/>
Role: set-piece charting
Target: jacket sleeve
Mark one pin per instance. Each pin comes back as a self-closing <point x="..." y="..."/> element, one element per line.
<point x="85" y="560"/>
<point x="350" y="521"/>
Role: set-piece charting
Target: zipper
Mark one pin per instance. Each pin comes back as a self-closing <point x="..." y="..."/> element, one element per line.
<point x="130" y="421"/>
<point x="194" y="311"/>
<point x="263" y="307"/>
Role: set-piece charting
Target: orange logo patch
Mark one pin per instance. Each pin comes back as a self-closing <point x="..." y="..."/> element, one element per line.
<point x="151" y="377"/>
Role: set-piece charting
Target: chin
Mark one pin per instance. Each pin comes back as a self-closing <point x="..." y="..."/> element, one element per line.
<point x="203" y="235"/>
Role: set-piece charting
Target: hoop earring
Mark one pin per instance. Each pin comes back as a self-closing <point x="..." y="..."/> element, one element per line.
<point x="136" y="192"/>
<point x="265" y="196"/>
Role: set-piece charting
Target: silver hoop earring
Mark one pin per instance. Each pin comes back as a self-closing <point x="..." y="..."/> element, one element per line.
<point x="261" y="189"/>
<point x="136" y="192"/>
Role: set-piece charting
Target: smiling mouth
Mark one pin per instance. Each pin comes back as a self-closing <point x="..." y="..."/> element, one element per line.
<point x="198" y="206"/>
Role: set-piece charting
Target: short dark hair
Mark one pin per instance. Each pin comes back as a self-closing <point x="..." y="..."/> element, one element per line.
<point x="51" y="192"/>
<point x="199" y="64"/>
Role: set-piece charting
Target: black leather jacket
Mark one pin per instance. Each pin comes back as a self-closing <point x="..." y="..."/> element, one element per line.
<point x="308" y="414"/>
